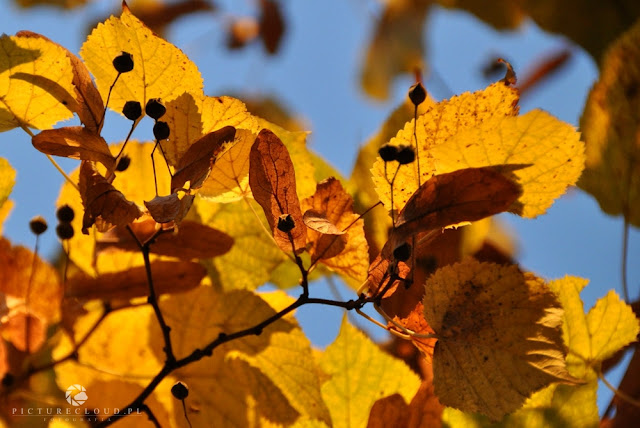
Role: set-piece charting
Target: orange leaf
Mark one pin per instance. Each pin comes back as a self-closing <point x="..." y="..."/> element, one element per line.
<point x="273" y="184"/>
<point x="90" y="107"/>
<point x="75" y="142"/>
<point x="195" y="165"/>
<point x="16" y="327"/>
<point x="165" y="209"/>
<point x="464" y="195"/>
<point x="191" y="240"/>
<point x="102" y="202"/>
<point x="391" y="411"/>
<point x="168" y="277"/>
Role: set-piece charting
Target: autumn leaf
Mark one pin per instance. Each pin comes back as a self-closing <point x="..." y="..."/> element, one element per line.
<point x="225" y="388"/>
<point x="173" y="207"/>
<point x="229" y="178"/>
<point x="191" y="240"/>
<point x="610" y="127"/>
<point x="7" y="180"/>
<point x="337" y="238"/>
<point x="103" y="203"/>
<point x="168" y="277"/>
<point x="551" y="147"/>
<point x="396" y="47"/>
<point x="75" y="142"/>
<point x="41" y="69"/>
<point x="361" y="373"/>
<point x="472" y="306"/>
<point x="253" y="256"/>
<point x="433" y="128"/>
<point x="195" y="165"/>
<point x="89" y="105"/>
<point x="273" y="184"/>
<point x="160" y="69"/>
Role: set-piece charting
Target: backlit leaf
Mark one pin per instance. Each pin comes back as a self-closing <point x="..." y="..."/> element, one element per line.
<point x="168" y="277"/>
<point x="610" y="127"/>
<point x="433" y="128"/>
<point x="7" y="180"/>
<point x="551" y="147"/>
<point x="484" y="361"/>
<point x="74" y="142"/>
<point x="273" y="184"/>
<point x="35" y="83"/>
<point x="347" y="254"/>
<point x="160" y="69"/>
<point x="361" y="373"/>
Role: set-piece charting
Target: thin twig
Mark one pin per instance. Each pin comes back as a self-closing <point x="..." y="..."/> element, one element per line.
<point x="151" y="416"/>
<point x="624" y="396"/>
<point x="186" y="416"/>
<point x="625" y="255"/>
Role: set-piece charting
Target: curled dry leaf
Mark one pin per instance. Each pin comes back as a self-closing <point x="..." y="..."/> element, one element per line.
<point x="168" y="277"/>
<point x="195" y="165"/>
<point x="75" y="142"/>
<point x="90" y="106"/>
<point x="165" y="209"/>
<point x="102" y="202"/>
<point x="472" y="306"/>
<point x="320" y="223"/>
<point x="191" y="240"/>
<point x="273" y="184"/>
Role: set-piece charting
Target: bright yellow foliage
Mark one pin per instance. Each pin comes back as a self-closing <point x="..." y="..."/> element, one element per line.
<point x="361" y="373"/>
<point x="610" y="125"/>
<point x="160" y="69"/>
<point x="551" y="147"/>
<point x="435" y="127"/>
<point x="35" y="83"/>
<point x="7" y="180"/>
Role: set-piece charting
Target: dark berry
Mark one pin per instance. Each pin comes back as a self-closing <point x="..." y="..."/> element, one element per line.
<point x="38" y="225"/>
<point x="64" y="230"/>
<point x="123" y="163"/>
<point x="286" y="223"/>
<point x="406" y="155"/>
<point x="180" y="390"/>
<point x="388" y="153"/>
<point x="155" y="108"/>
<point x="132" y="110"/>
<point x="65" y="214"/>
<point x="417" y="94"/>
<point x="123" y="63"/>
<point x="402" y="252"/>
<point x="161" y="130"/>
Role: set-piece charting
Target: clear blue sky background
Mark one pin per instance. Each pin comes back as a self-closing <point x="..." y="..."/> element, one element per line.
<point x="316" y="76"/>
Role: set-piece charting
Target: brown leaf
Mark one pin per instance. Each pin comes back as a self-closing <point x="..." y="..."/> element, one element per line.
<point x="168" y="277"/>
<point x="320" y="223"/>
<point x="103" y="202"/>
<point x="391" y="411"/>
<point x="271" y="25"/>
<point x="165" y="209"/>
<point x="90" y="106"/>
<point x="416" y="322"/>
<point x="273" y="184"/>
<point x="195" y="165"/>
<point x="464" y="195"/>
<point x="425" y="410"/>
<point x="74" y="142"/>
<point x="191" y="240"/>
<point x="15" y="330"/>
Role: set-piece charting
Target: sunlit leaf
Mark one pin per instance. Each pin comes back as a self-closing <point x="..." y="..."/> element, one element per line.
<point x="74" y="142"/>
<point x="472" y="307"/>
<point x="35" y="83"/>
<point x="361" y="373"/>
<point x="160" y="69"/>
<point x="610" y="126"/>
<point x="273" y="184"/>
<point x="7" y="180"/>
<point x="433" y="128"/>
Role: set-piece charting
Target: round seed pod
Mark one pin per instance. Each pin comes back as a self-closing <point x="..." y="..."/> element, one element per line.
<point x="132" y="110"/>
<point x="64" y="231"/>
<point x="388" y="153"/>
<point x="65" y="214"/>
<point x="180" y="390"/>
<point x="155" y="108"/>
<point x="286" y="223"/>
<point x="402" y="252"/>
<point x="406" y="155"/>
<point x="123" y="63"/>
<point x="123" y="163"/>
<point x="417" y="94"/>
<point x="38" y="225"/>
<point x="161" y="130"/>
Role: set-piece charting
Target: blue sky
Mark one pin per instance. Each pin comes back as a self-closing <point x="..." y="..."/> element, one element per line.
<point x="316" y="76"/>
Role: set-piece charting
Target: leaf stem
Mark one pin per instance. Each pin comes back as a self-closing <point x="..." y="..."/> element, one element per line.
<point x="624" y="396"/>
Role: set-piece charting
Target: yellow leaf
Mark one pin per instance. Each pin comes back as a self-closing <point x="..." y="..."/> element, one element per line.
<point x="229" y="178"/>
<point x="335" y="204"/>
<point x="35" y="83"/>
<point x="7" y="180"/>
<point x="160" y="69"/>
<point x="361" y="373"/>
<point x="434" y="127"/>
<point x="610" y="126"/>
<point x="551" y="147"/>
<point x="254" y="255"/>
<point x="396" y="46"/>
<point x="484" y="361"/>
<point x="5" y="210"/>
<point x="190" y="116"/>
